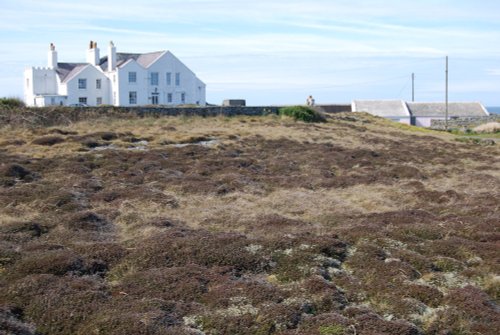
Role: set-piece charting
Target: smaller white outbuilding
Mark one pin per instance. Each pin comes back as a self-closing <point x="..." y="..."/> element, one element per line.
<point x="395" y="110"/>
<point x="119" y="79"/>
<point x="424" y="112"/>
<point x="419" y="113"/>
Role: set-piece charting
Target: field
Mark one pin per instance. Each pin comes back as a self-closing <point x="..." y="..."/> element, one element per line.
<point x="117" y="224"/>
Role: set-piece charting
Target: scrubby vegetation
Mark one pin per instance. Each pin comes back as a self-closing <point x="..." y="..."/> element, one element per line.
<point x="11" y="103"/>
<point x="116" y="224"/>
<point x="302" y="113"/>
<point x="491" y="127"/>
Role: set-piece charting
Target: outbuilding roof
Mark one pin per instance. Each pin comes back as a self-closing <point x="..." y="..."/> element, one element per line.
<point x="382" y="108"/>
<point x="438" y="109"/>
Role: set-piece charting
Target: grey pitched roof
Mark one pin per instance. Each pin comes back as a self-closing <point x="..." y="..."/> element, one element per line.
<point x="383" y="108"/>
<point x="438" y="109"/>
<point x="67" y="70"/>
<point x="144" y="60"/>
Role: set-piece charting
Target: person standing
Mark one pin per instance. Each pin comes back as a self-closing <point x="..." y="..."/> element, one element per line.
<point x="310" y="101"/>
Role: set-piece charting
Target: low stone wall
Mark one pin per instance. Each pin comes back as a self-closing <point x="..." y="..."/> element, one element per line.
<point x="61" y="115"/>
<point x="464" y="122"/>
<point x="332" y="109"/>
<point x="202" y="111"/>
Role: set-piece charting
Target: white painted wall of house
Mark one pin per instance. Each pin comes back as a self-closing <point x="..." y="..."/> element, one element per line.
<point x="91" y="74"/>
<point x="125" y="87"/>
<point x="39" y="81"/>
<point x="45" y="81"/>
<point x="421" y="121"/>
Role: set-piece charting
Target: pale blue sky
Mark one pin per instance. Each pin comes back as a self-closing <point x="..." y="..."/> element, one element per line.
<point x="276" y="52"/>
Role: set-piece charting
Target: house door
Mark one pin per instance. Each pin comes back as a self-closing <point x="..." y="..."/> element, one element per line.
<point x="154" y="98"/>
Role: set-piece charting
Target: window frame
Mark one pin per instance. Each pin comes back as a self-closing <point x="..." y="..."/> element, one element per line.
<point x="154" y="79"/>
<point x="132" y="75"/>
<point x="82" y="83"/>
<point x="132" y="97"/>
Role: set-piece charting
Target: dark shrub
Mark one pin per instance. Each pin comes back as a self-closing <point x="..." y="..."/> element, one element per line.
<point x="221" y="293"/>
<point x="429" y="295"/>
<point x="186" y="283"/>
<point x="302" y="113"/>
<point x="62" y="132"/>
<point x="326" y="297"/>
<point x="179" y="247"/>
<point x="8" y="252"/>
<point x="16" y="171"/>
<point x="11" y="173"/>
<point x="107" y="135"/>
<point x="324" y="324"/>
<point x="11" y="103"/>
<point x="11" y="322"/>
<point x="56" y="262"/>
<point x="59" y="305"/>
<point x="107" y="252"/>
<point x="22" y="230"/>
<point x="88" y="221"/>
<point x="368" y="323"/>
<point x="92" y="143"/>
<point x="48" y="140"/>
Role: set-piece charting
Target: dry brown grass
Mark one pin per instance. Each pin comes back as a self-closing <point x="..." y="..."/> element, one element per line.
<point x="492" y="127"/>
<point x="273" y="227"/>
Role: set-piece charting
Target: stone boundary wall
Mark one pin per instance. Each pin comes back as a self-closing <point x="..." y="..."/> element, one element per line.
<point x="63" y="115"/>
<point x="333" y="109"/>
<point x="464" y="122"/>
<point x="201" y="111"/>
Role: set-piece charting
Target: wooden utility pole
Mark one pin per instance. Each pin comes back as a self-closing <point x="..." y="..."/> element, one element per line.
<point x="413" y="87"/>
<point x="446" y="107"/>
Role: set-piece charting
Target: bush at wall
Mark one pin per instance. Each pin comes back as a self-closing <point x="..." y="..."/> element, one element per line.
<point x="302" y="113"/>
<point x="11" y="102"/>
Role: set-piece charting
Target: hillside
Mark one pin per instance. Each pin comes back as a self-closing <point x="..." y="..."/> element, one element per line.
<point x="245" y="225"/>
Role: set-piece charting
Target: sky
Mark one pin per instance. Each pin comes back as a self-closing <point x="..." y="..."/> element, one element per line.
<point x="276" y="52"/>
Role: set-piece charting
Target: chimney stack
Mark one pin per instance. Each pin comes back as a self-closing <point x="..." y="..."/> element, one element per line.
<point x="52" y="59"/>
<point x="93" y="54"/>
<point x="111" y="57"/>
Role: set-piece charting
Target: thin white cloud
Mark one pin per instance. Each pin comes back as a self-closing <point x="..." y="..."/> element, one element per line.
<point x="493" y="72"/>
<point x="255" y="45"/>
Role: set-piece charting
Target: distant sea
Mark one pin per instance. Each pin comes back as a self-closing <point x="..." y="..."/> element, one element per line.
<point x="493" y="110"/>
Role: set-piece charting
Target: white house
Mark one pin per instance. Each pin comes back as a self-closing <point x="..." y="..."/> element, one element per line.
<point x="119" y="79"/>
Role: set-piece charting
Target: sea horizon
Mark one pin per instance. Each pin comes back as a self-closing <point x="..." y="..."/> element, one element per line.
<point x="493" y="109"/>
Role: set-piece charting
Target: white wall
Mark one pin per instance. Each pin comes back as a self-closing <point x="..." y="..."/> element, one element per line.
<point x="50" y="100"/>
<point x="140" y="86"/>
<point x="91" y="93"/>
<point x="190" y="85"/>
<point x="39" y="81"/>
<point x="425" y="121"/>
